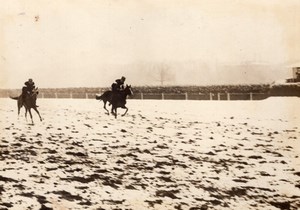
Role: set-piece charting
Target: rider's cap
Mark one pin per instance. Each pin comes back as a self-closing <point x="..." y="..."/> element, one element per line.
<point x="30" y="80"/>
<point x="123" y="78"/>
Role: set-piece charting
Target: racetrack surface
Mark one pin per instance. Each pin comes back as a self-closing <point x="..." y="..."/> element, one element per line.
<point x="161" y="155"/>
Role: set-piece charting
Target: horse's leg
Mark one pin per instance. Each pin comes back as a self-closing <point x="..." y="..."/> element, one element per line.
<point x="116" y="112"/>
<point x="105" y="107"/>
<point x="19" y="110"/>
<point x="19" y="106"/>
<point x="29" y="110"/>
<point x="35" y="109"/>
<point x="112" y="110"/>
<point x="124" y="107"/>
<point x="26" y="113"/>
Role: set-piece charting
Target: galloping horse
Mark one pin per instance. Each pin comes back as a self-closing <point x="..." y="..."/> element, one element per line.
<point x="119" y="100"/>
<point x="29" y="103"/>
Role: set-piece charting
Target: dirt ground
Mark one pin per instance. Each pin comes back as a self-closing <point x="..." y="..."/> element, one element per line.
<point x="161" y="155"/>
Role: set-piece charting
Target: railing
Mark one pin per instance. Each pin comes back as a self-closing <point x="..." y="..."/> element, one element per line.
<point x="201" y="96"/>
<point x="156" y="96"/>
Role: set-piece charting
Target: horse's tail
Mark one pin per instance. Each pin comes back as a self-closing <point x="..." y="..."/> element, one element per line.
<point x="14" y="98"/>
<point x="98" y="97"/>
<point x="106" y="96"/>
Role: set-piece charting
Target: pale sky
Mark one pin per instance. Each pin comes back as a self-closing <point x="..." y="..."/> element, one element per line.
<point x="90" y="43"/>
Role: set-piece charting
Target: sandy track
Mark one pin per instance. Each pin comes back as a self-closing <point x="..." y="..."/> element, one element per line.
<point x="162" y="155"/>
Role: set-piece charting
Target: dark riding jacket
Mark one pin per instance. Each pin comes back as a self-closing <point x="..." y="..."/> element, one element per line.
<point x="29" y="86"/>
<point x="117" y="86"/>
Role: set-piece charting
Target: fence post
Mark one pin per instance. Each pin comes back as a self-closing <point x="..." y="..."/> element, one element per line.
<point x="55" y="94"/>
<point x="228" y="96"/>
<point x="210" y="96"/>
<point x="251" y="96"/>
<point x="219" y="97"/>
<point x="142" y="96"/>
<point x="71" y="95"/>
<point x="186" y="96"/>
<point x="162" y="96"/>
<point x="43" y="96"/>
<point x="86" y="95"/>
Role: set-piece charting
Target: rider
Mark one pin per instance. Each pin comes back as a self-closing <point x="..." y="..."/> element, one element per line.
<point x="28" y="88"/>
<point x="117" y="87"/>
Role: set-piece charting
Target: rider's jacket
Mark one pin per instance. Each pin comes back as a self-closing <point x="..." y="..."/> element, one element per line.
<point x="117" y="86"/>
<point x="29" y="86"/>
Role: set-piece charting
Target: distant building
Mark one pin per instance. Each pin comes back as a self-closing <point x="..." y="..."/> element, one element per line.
<point x="296" y="75"/>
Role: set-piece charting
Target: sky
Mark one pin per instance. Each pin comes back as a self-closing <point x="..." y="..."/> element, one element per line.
<point x="90" y="43"/>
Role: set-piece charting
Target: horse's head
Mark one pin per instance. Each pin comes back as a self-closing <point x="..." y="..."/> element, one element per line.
<point x="35" y="92"/>
<point x="128" y="90"/>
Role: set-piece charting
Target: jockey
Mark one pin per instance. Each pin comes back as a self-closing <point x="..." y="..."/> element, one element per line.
<point x="117" y="87"/>
<point x="28" y="88"/>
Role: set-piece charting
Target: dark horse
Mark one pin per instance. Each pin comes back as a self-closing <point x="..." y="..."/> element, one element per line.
<point x="119" y="100"/>
<point x="29" y="103"/>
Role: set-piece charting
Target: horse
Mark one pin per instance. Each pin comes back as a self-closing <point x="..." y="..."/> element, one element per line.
<point x="105" y="97"/>
<point x="29" y="103"/>
<point x="119" y="100"/>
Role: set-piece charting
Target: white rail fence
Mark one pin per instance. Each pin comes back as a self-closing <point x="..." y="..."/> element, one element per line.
<point x="155" y="96"/>
<point x="202" y="96"/>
